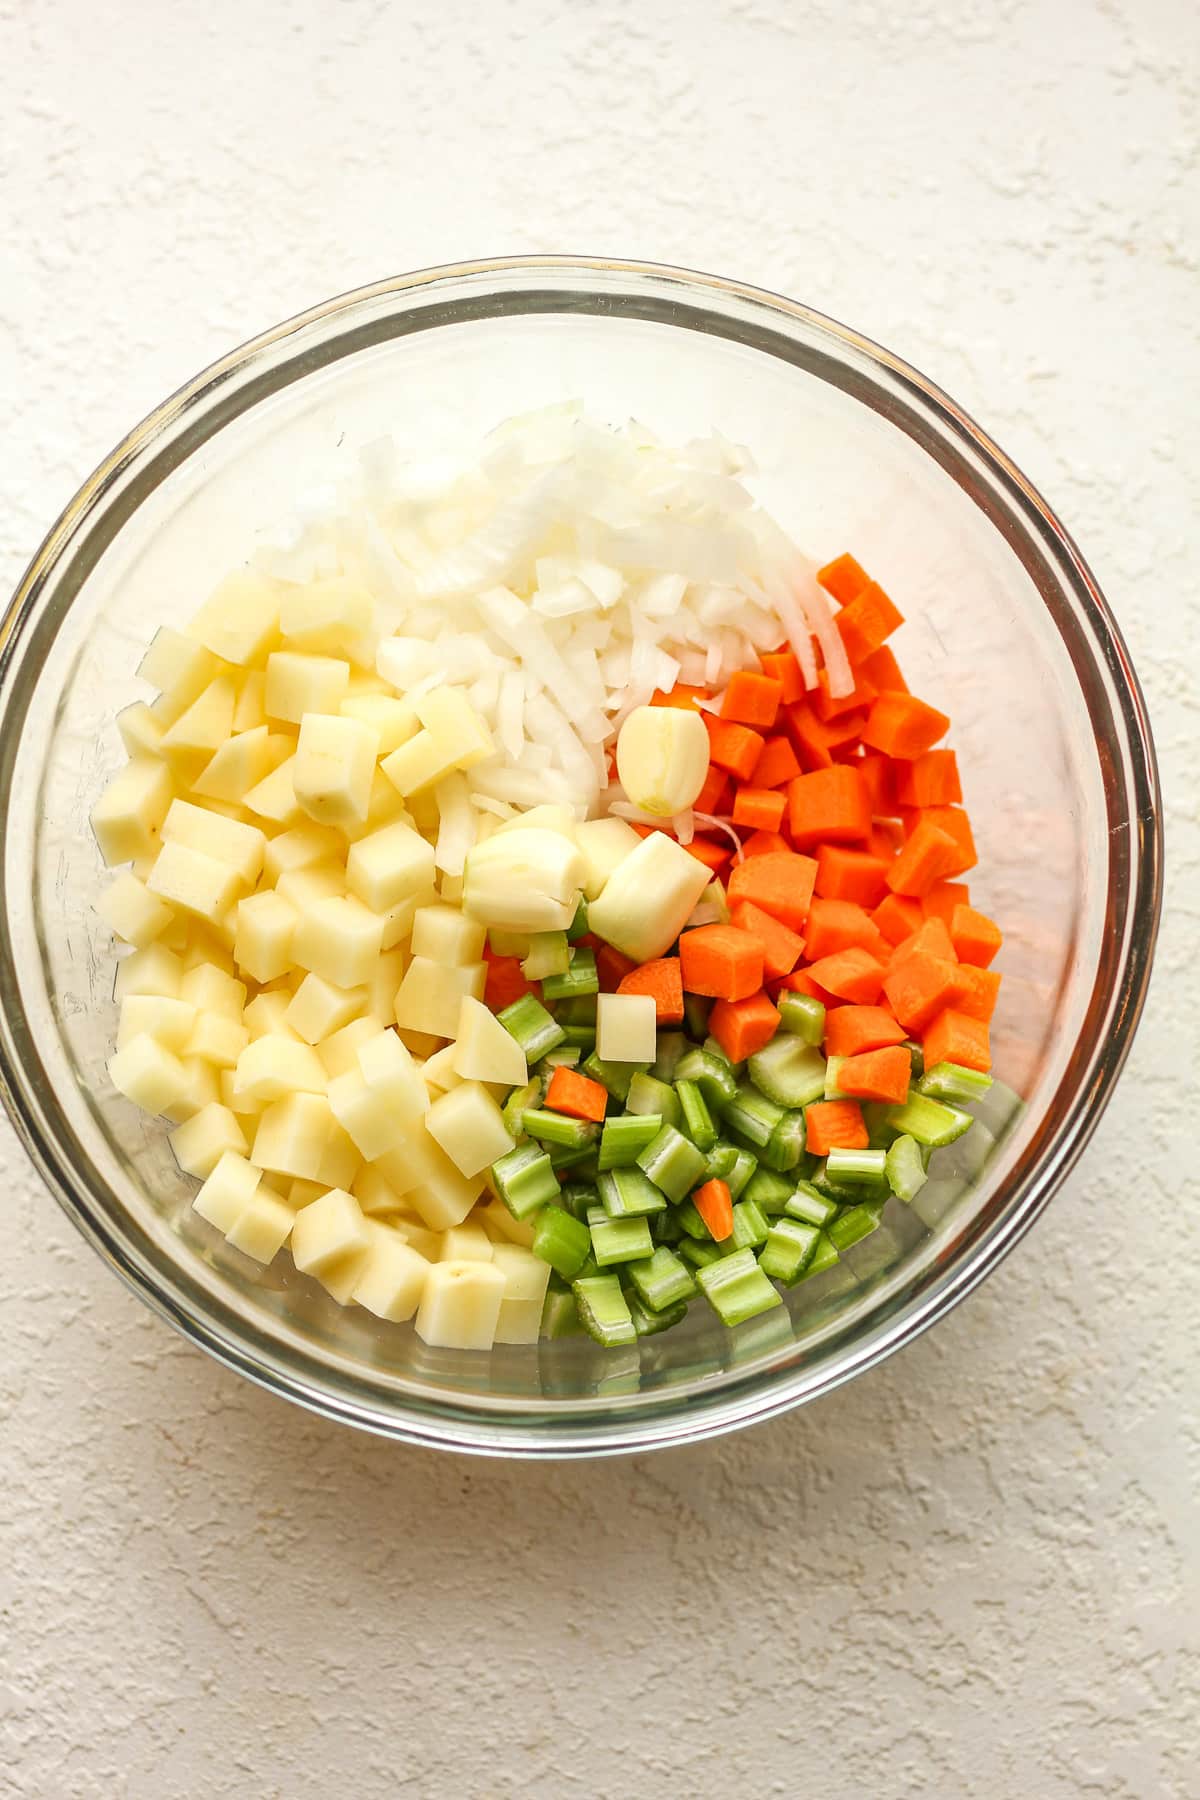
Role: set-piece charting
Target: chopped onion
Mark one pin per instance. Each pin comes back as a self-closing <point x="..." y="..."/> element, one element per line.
<point x="709" y="821"/>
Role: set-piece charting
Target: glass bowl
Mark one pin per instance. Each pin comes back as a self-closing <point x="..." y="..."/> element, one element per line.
<point x="1007" y="631"/>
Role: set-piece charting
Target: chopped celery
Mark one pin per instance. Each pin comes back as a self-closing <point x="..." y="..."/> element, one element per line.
<point x="690" y="1222"/>
<point x="579" y="1197"/>
<point x="549" y="954"/>
<point x="666" y="1227"/>
<point x="832" y="1090"/>
<point x="803" y="1016"/>
<point x="560" y="1315"/>
<point x="824" y="1257"/>
<point x="784" y="1148"/>
<point x="736" y="1288"/>
<point x="556" y="1128"/>
<point x="564" y="1056"/>
<point x="917" y="1053"/>
<point x="561" y="1241"/>
<point x="648" y="1323"/>
<point x="672" y="1163"/>
<point x="855" y="1223"/>
<point x="856" y="1168"/>
<point x="579" y="924"/>
<point x="533" y="1027"/>
<point x="518" y="1103"/>
<point x="662" y="1279"/>
<point x="905" y="1168"/>
<point x="768" y="1190"/>
<point x="524" y="1180"/>
<point x="741" y="1170"/>
<point x="789" y="1249"/>
<point x="809" y="1206"/>
<point x="647" y="1094"/>
<point x="695" y="1015"/>
<point x="788" y="1070"/>
<point x="581" y="1038"/>
<point x="752" y="1115"/>
<point x="711" y="1074"/>
<point x="618" y="1240"/>
<point x="627" y="1193"/>
<point x="697" y="1121"/>
<point x="875" y="1117"/>
<point x="720" y="1161"/>
<point x="625" y="1137"/>
<point x="714" y="1047"/>
<point x="671" y="1046"/>
<point x="580" y="1157"/>
<point x="749" y="1226"/>
<point x="616" y="1077"/>
<point x="699" y="1254"/>
<point x="929" y="1121"/>
<point x="951" y="1081"/>
<point x="603" y="1311"/>
<point x="578" y="980"/>
<point x="581" y="1010"/>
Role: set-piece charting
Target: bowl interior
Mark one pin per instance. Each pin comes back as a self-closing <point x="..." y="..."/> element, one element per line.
<point x="846" y="459"/>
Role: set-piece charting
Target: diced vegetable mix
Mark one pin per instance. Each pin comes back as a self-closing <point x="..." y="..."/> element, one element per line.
<point x="506" y="1051"/>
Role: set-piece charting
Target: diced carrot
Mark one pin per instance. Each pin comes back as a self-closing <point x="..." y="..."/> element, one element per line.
<point x="919" y="986"/>
<point x="661" y="979"/>
<point x="883" y="671"/>
<point x="897" y="917"/>
<point x="854" y="1030"/>
<point x="765" y="843"/>
<point x="828" y="806"/>
<point x="759" y="808"/>
<point x="782" y="947"/>
<point x="807" y="736"/>
<point x="953" y="819"/>
<point x="782" y="666"/>
<point x="835" y="925"/>
<point x="752" y="700"/>
<point x="505" y="981"/>
<point x="781" y="884"/>
<point x="576" y="1095"/>
<point x="931" y="936"/>
<point x="732" y="746"/>
<point x="877" y="1074"/>
<point x="721" y="961"/>
<point x="843" y="732"/>
<point x="980" y="988"/>
<point x="844" y="874"/>
<point x="928" y="857"/>
<point x="929" y="780"/>
<point x="801" y="982"/>
<point x="775" y="766"/>
<point x="843" y="578"/>
<point x="975" y="937"/>
<point x="743" y="1026"/>
<point x="850" y="974"/>
<point x="956" y="1037"/>
<point x="715" y="1206"/>
<point x="714" y="795"/>
<point x="886" y="839"/>
<point x="943" y="897"/>
<point x="680" y="696"/>
<point x="827" y="707"/>
<point x="714" y="854"/>
<point x="834" y="1125"/>
<point x="901" y="725"/>
<point x="879" y="773"/>
<point x="866" y="621"/>
<point x="612" y="968"/>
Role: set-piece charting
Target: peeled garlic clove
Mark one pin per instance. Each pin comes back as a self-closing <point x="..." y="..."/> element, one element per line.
<point x="662" y="758"/>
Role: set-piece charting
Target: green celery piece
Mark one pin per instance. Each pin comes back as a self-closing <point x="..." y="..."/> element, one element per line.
<point x="752" y="1115"/>
<point x="802" y="1016"/>
<point x="579" y="1197"/>
<point x="691" y="1224"/>
<point x="565" y="1056"/>
<point x="648" y="1323"/>
<point x="711" y="1074"/>
<point x="905" y="1168"/>
<point x="810" y="1206"/>
<point x="788" y="1070"/>
<point x="581" y="1158"/>
<point x="697" y="1121"/>
<point x="525" y="1180"/>
<point x="518" y="1103"/>
<point x="856" y="1168"/>
<point x="583" y="1037"/>
<point x="556" y="1128"/>
<point x="662" y="1280"/>
<point x="951" y="1081"/>
<point x="665" y="1227"/>
<point x="714" y="1047"/>
<point x="625" y="1137"/>
<point x="561" y="1241"/>
<point x="581" y="1010"/>
<point x="699" y="1255"/>
<point x="672" y="1163"/>
<point x="917" y="1053"/>
<point x="784" y="1149"/>
<point x="695" y="1015"/>
<point x="875" y="1117"/>
<point x="560" y="1315"/>
<point x="671" y="1046"/>
<point x="741" y="1173"/>
<point x="768" y="1190"/>
<point x="647" y="1094"/>
<point x="627" y="1193"/>
<point x="929" y="1121"/>
<point x="855" y="1223"/>
<point x="534" y="1028"/>
<point x="824" y="1257"/>
<point x="618" y="1240"/>
<point x="736" y="1288"/>
<point x="720" y="1162"/>
<point x="832" y="1090"/>
<point x="789" y="1249"/>
<point x="603" y="1311"/>
<point x="616" y="1077"/>
<point x="577" y="981"/>
<point x="549" y="954"/>
<point x="749" y="1226"/>
<point x="579" y="924"/>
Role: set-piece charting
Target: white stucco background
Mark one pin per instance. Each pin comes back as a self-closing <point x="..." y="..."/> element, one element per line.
<point x="974" y="1573"/>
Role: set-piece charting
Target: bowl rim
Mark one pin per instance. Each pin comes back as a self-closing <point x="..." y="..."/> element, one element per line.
<point x="523" y="1431"/>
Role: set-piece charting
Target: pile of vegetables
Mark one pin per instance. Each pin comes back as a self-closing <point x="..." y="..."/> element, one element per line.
<point x="676" y="1011"/>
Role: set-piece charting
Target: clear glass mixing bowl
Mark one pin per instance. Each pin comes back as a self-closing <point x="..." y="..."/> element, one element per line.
<point x="1007" y="631"/>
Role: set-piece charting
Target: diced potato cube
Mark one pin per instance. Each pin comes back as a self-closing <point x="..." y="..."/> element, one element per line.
<point x="378" y="1102"/>
<point x="228" y="1191"/>
<point x="141" y="733"/>
<point x="199" y="732"/>
<point x="335" y="765"/>
<point x="211" y="989"/>
<point x="443" y="934"/>
<point x="398" y="919"/>
<point x="384" y="985"/>
<point x="217" y="1038"/>
<point x="331" y="1228"/>
<point x="299" y="1136"/>
<point x="299" y="684"/>
<point x="201" y="1141"/>
<point x="180" y="668"/>
<point x="339" y="1051"/>
<point x="393" y="1277"/>
<point x="266" y="928"/>
<point x="317" y="1009"/>
<point x="460" y="1305"/>
<point x="273" y="1066"/>
<point x="418" y="763"/>
<point x="340" y="940"/>
<point x="132" y="912"/>
<point x="274" y="797"/>
<point x="201" y="1088"/>
<point x="625" y="1028"/>
<point x="266" y="1015"/>
<point x="250" y="707"/>
<point x="170" y="1021"/>
<point x="501" y="1227"/>
<point x="389" y="866"/>
<point x="127" y="819"/>
<point x="239" y="621"/>
<point x="484" y="1050"/>
<point x="148" y="1074"/>
<point x="526" y="1278"/>
<point x="303" y="1193"/>
<point x="304" y="887"/>
<point x="423" y="812"/>
<point x="467" y="1123"/>
<point x="241" y="846"/>
<point x="392" y="720"/>
<point x="375" y="1194"/>
<point x="423" y="1175"/>
<point x="209" y="946"/>
<point x="197" y="883"/>
<point x="241" y="763"/>
<point x="332" y="617"/>
<point x="303" y="847"/>
<point x="438" y="1071"/>
<point x="155" y="970"/>
<point x="425" y="1242"/>
<point x="385" y="807"/>
<point x="453" y="723"/>
<point x="247" y="1112"/>
<point x="605" y="844"/>
<point x="430" y="998"/>
<point x="264" y="1227"/>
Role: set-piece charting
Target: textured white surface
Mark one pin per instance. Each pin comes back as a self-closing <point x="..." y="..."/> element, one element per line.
<point x="973" y="1573"/>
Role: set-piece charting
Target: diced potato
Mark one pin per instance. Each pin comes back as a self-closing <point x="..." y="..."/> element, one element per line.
<point x="264" y="1227"/>
<point x="500" y="1225"/>
<point x="443" y="934"/>
<point x="266" y="1015"/>
<point x="240" y="846"/>
<point x="132" y="912"/>
<point x="423" y="1175"/>
<point x="333" y="617"/>
<point x="141" y="733"/>
<point x="227" y="1191"/>
<point x="425" y="1242"/>
<point x="392" y="1280"/>
<point x="154" y="970"/>
<point x="241" y="763"/>
<point x="303" y="1193"/>
<point x="239" y="621"/>
<point x="385" y="807"/>
<point x="374" y="1193"/>
<point x="318" y="1009"/>
<point x="273" y="1066"/>
<point x="384" y="985"/>
<point x="199" y="732"/>
<point x="303" y="847"/>
<point x="217" y="1038"/>
<point x="430" y="998"/>
<point x="250" y="707"/>
<point x="605" y="844"/>
<point x="299" y="1136"/>
<point x="170" y="1021"/>
<point x="201" y="1141"/>
<point x="150" y="1075"/>
<point x="274" y="798"/>
<point x="266" y="929"/>
<point x="648" y="898"/>
<point x="392" y="720"/>
<point x="339" y="1051"/>
<point x="525" y="881"/>
<point x="378" y="1102"/>
<point x="210" y="947"/>
<point x="460" y="1305"/>
<point x="467" y="1242"/>
<point x="450" y="887"/>
<point x="197" y="883"/>
<point x="389" y="866"/>
<point x="328" y="1230"/>
<point x="246" y="1112"/>
<point x="422" y="811"/>
<point x="526" y="1278"/>
<point x="339" y="939"/>
<point x="127" y="819"/>
<point x="398" y="919"/>
<point x="210" y="989"/>
<point x="299" y="684"/>
<point x="180" y="668"/>
<point x="438" y="1072"/>
<point x="453" y="723"/>
<point x="302" y="888"/>
<point x="626" y="1029"/>
<point x="468" y="1125"/>
<point x="201" y="1088"/>
<point x="334" y="769"/>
